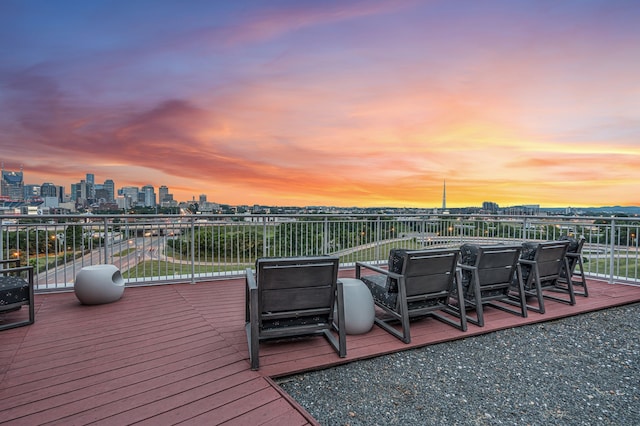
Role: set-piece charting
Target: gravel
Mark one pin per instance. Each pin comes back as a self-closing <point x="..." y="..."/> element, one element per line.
<point x="581" y="370"/>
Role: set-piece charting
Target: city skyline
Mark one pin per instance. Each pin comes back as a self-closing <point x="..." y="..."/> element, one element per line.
<point x="336" y="103"/>
<point x="163" y="197"/>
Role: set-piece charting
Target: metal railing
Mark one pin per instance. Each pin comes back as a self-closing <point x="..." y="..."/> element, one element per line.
<point x="158" y="249"/>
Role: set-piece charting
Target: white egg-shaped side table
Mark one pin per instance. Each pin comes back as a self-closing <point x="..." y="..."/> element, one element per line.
<point x="359" y="309"/>
<point x="99" y="284"/>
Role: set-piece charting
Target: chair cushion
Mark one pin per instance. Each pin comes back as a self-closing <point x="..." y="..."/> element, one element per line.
<point x="468" y="256"/>
<point x="396" y="262"/>
<point x="573" y="243"/>
<point x="295" y="322"/>
<point x="378" y="286"/>
<point x="13" y="290"/>
<point x="528" y="253"/>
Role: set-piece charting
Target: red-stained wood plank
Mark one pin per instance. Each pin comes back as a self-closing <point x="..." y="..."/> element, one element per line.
<point x="178" y="353"/>
<point x="294" y="358"/>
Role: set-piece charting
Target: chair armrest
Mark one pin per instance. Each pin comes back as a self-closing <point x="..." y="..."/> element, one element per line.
<point x="527" y="262"/>
<point x="378" y="269"/>
<point x="467" y="267"/>
<point x="250" y="280"/>
<point x="19" y="269"/>
<point x="8" y="261"/>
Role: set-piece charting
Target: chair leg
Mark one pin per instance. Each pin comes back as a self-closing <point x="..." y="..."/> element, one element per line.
<point x="570" y="291"/>
<point x="476" y="303"/>
<point x="342" y="334"/>
<point x="404" y="313"/>
<point x="20" y="323"/>
<point x="339" y="344"/>
<point x="253" y="344"/>
<point x="479" y="321"/>
<point x="520" y="300"/>
<point x="538" y="293"/>
<point x="253" y="338"/>
<point x="384" y="324"/>
<point x="583" y="281"/>
<point x="459" y="310"/>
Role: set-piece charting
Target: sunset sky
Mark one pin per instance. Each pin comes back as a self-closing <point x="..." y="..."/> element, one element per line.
<point x="346" y="103"/>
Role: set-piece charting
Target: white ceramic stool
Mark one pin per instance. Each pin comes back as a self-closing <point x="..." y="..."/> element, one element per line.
<point x="98" y="284"/>
<point x="359" y="309"/>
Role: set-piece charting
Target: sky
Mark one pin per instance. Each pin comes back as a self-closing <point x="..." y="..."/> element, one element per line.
<point x="333" y="102"/>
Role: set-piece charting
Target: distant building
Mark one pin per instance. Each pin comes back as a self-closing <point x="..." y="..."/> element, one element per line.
<point x="48" y="189"/>
<point x="74" y="191"/>
<point x="149" y="194"/>
<point x="61" y="194"/>
<point x="109" y="186"/>
<point x="31" y="191"/>
<point x="130" y="194"/>
<point x="80" y="193"/>
<point x="102" y="195"/>
<point x="163" y="193"/>
<point x="51" y="202"/>
<point x="123" y="202"/>
<point x="12" y="184"/>
<point x="490" y="207"/>
<point x="90" y="183"/>
<point x="524" y="210"/>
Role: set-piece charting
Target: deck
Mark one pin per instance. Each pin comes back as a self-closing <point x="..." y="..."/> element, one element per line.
<point x="178" y="354"/>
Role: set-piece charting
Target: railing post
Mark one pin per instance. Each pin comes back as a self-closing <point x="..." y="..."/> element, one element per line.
<point x="264" y="238"/>
<point x="612" y="246"/>
<point x="106" y="239"/>
<point x="1" y="240"/>
<point x="193" y="250"/>
<point x="378" y="238"/>
<point x="325" y="239"/>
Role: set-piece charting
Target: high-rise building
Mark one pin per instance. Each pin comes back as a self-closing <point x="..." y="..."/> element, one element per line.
<point x="130" y="193"/>
<point x="61" y="193"/>
<point x="30" y="191"/>
<point x="91" y="186"/>
<point x="48" y="189"/>
<point x="109" y="186"/>
<point x="12" y="184"/>
<point x="84" y="190"/>
<point x="490" y="207"/>
<point x="163" y="192"/>
<point x="149" y="196"/>
<point x="75" y="189"/>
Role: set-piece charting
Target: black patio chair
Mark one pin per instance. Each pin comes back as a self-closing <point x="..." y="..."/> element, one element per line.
<point x="292" y="297"/>
<point x="417" y="284"/>
<point x="487" y="276"/>
<point x="542" y="264"/>
<point x="574" y="257"/>
<point x="16" y="290"/>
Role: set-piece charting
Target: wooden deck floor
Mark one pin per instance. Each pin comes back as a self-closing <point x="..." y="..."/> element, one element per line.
<point x="178" y="354"/>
